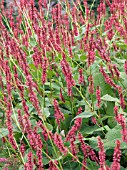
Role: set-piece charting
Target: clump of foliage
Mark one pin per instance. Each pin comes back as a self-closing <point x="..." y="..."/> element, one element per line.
<point x="63" y="95"/>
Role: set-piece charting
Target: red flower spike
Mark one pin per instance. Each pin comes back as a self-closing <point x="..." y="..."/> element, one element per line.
<point x="107" y="78"/>
<point x="29" y="164"/>
<point x="45" y="132"/>
<point x="98" y="96"/>
<point x="22" y="149"/>
<point x="121" y="120"/>
<point x="116" y="157"/>
<point x="58" y="114"/>
<point x="44" y="67"/>
<point x="61" y="96"/>
<point x="52" y="165"/>
<point x="91" y="84"/>
<point x="75" y="127"/>
<point x="102" y="155"/>
<point x="125" y="66"/>
<point x="66" y="69"/>
<point x="59" y="143"/>
<point x="87" y="150"/>
<point x="81" y="77"/>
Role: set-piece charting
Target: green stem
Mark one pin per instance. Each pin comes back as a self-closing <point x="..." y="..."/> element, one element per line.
<point x="78" y="160"/>
<point x="84" y="98"/>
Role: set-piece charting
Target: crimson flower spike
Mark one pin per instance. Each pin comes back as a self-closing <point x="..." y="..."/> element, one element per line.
<point x="116" y="157"/>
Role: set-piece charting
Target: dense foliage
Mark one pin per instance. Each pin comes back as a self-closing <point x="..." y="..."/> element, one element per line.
<point x="63" y="95"/>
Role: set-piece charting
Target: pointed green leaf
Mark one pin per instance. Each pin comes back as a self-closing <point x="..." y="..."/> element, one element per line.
<point x="109" y="98"/>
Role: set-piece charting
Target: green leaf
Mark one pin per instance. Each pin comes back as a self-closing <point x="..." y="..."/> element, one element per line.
<point x="65" y="111"/>
<point x="109" y="98"/>
<point x="123" y="75"/>
<point x="121" y="45"/>
<point x="93" y="28"/>
<point x="49" y="126"/>
<point x="33" y="42"/>
<point x="94" y="143"/>
<point x="46" y="112"/>
<point x="3" y="132"/>
<point x="83" y="29"/>
<point x="45" y="160"/>
<point x="111" y="137"/>
<point x="120" y="61"/>
<point x="92" y="165"/>
<point x="105" y="117"/>
<point x="99" y="81"/>
<point x="21" y="167"/>
<point x="110" y="108"/>
<point x="71" y="165"/>
<point x="85" y="115"/>
<point x="111" y="122"/>
<point x="95" y="128"/>
<point x="79" y="37"/>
